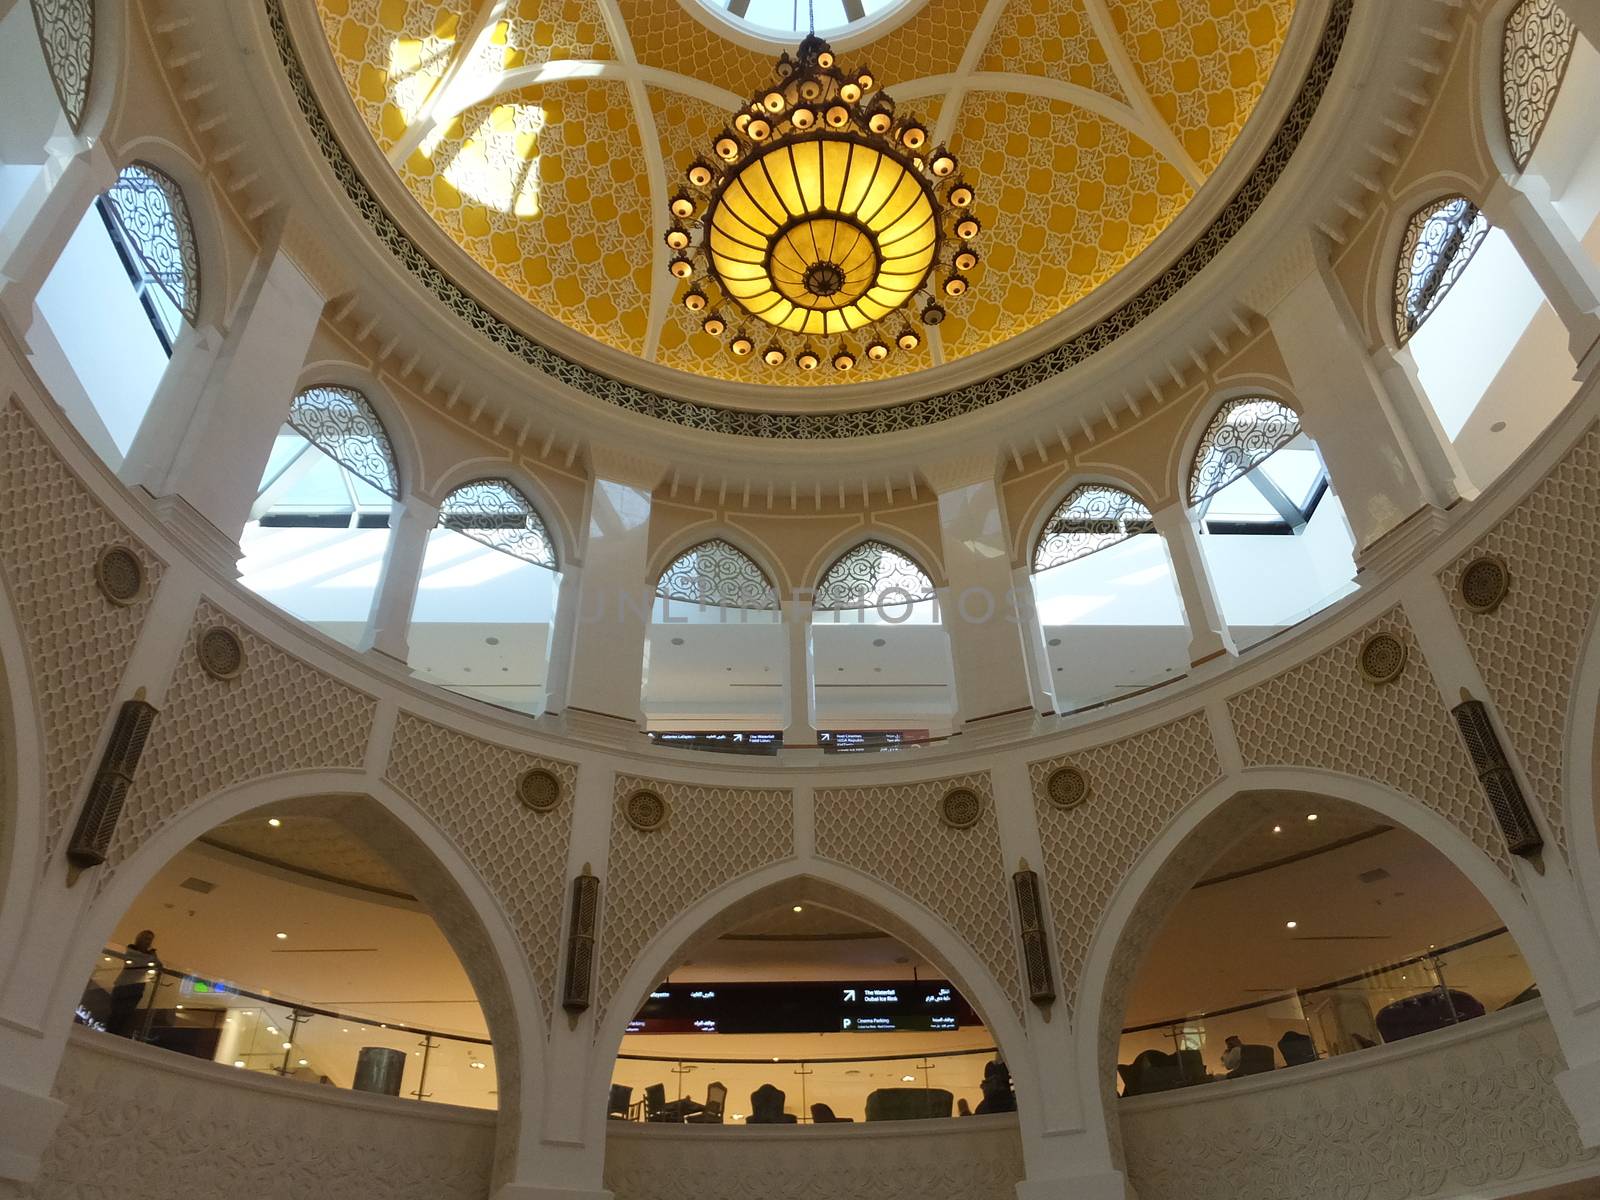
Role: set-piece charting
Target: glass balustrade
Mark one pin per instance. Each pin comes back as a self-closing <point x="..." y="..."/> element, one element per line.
<point x="1435" y="988"/>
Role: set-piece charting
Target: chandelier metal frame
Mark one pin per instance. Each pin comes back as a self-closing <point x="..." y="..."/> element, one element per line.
<point x="814" y="102"/>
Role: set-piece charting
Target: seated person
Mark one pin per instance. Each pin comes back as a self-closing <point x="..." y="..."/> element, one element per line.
<point x="1232" y="1053"/>
<point x="998" y="1094"/>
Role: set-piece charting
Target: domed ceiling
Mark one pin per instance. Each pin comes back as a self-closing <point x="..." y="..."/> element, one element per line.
<point x="545" y="137"/>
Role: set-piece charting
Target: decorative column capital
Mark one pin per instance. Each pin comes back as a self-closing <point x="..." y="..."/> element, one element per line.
<point x="621" y="466"/>
<point x="953" y="473"/>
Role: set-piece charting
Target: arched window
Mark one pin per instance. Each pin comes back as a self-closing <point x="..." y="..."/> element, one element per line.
<point x="1538" y="46"/>
<point x="1440" y="241"/>
<point x="715" y="652"/>
<point x="1491" y="354"/>
<point x="320" y="524"/>
<point x="1107" y="601"/>
<point x="1275" y="540"/>
<point x="485" y="612"/>
<point x="114" y="305"/>
<point x="66" y="33"/>
<point x="881" y="657"/>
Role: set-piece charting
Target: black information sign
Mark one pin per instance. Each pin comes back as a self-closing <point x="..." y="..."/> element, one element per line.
<point x="722" y="743"/>
<point x="875" y="1007"/>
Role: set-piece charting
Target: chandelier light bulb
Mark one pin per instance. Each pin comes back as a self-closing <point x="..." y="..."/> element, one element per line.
<point x="700" y="174"/>
<point x="741" y="345"/>
<point x="810" y="90"/>
<point x="967" y="228"/>
<point x="955" y="285"/>
<point x="838" y="116"/>
<point x="742" y="122"/>
<point x="825" y="59"/>
<point x="966" y="258"/>
<point x="678" y="238"/>
<point x="850" y="93"/>
<point x="943" y="164"/>
<point x="759" y="129"/>
<point x="681" y="268"/>
<point x="880" y="121"/>
<point x="865" y="80"/>
<point x="933" y="314"/>
<point x="803" y="118"/>
<point x="961" y="194"/>
<point x="773" y="355"/>
<point x="694" y="300"/>
<point x="914" y="137"/>
<point x="726" y="146"/>
<point x="774" y="102"/>
<point x="682" y="206"/>
<point x="877" y="351"/>
<point x="807" y="359"/>
<point x="908" y="339"/>
<point x="714" y="325"/>
<point x="843" y="360"/>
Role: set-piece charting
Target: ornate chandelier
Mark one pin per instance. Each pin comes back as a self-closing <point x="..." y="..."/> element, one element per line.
<point x="822" y="213"/>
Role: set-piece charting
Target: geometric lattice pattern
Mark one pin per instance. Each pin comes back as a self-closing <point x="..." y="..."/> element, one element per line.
<point x="280" y="714"/>
<point x="1528" y="649"/>
<point x="894" y="833"/>
<point x="66" y="32"/>
<point x="78" y="643"/>
<point x="1137" y="786"/>
<point x="711" y="835"/>
<point x="1323" y="714"/>
<point x="468" y="788"/>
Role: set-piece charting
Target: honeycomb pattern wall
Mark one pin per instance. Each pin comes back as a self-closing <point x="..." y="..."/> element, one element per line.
<point x="1528" y="649"/>
<point x="1323" y="714"/>
<point x="279" y="715"/>
<point x="895" y="834"/>
<point x="1137" y="785"/>
<point x="711" y="835"/>
<point x="467" y="787"/>
<point x="78" y="643"/>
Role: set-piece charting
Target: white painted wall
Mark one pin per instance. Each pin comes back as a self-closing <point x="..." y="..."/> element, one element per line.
<point x="1272" y="582"/>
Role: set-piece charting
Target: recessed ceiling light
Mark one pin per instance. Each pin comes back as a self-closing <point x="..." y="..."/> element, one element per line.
<point x="677" y="641"/>
<point x="301" y="1061"/>
<point x="1055" y="641"/>
<point x="280" y="936"/>
<point x="288" y="1045"/>
<point x="908" y="1079"/>
<point x="475" y="1065"/>
<point x="238" y="1062"/>
<point x="272" y="1029"/>
<point x="799" y="908"/>
<point x="177" y="1006"/>
<point x="879" y="642"/>
<point x="1291" y="924"/>
<point x="1311" y="816"/>
<point x="1277" y="829"/>
<point x="274" y="822"/>
<point x="491" y="641"/>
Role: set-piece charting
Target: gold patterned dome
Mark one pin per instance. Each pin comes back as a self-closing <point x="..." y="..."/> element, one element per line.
<point x="545" y="138"/>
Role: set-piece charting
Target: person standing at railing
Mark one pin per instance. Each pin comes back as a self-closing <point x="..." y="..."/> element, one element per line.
<point x="140" y="965"/>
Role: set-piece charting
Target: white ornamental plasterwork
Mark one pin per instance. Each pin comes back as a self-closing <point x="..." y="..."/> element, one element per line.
<point x="896" y="834"/>
<point x="1323" y="714"/>
<point x="710" y="836"/>
<point x="78" y="643"/>
<point x="964" y="1160"/>
<point x="1528" y="649"/>
<point x="199" y="1128"/>
<point x="1472" y="1115"/>
<point x="468" y="788"/>
<point x="280" y="714"/>
<point x="1136" y="786"/>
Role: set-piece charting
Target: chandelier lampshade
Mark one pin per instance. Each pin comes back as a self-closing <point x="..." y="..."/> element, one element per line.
<point x="820" y="213"/>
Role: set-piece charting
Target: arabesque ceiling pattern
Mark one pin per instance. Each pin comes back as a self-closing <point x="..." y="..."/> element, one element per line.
<point x="545" y="135"/>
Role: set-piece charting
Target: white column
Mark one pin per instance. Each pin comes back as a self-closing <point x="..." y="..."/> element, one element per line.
<point x="558" y="675"/>
<point x="44" y="220"/>
<point x="986" y="638"/>
<point x="205" y="442"/>
<point x="1346" y="408"/>
<point x="1208" y="632"/>
<point x="614" y="599"/>
<point x="1445" y="477"/>
<point x="411" y="521"/>
<point x="1555" y="257"/>
<point x="1038" y="654"/>
<point x="800" y="730"/>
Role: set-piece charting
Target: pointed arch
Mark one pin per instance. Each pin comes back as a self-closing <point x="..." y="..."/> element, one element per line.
<point x="148" y="207"/>
<point x="1094" y="516"/>
<point x="1175" y="860"/>
<point x="826" y="885"/>
<point x="1535" y="49"/>
<point x="340" y="421"/>
<point x="869" y="570"/>
<point x="21" y="756"/>
<point x="447" y="884"/>
<point x="1439" y="241"/>
<point x="716" y="573"/>
<point x="1241" y="435"/>
<point x="497" y="513"/>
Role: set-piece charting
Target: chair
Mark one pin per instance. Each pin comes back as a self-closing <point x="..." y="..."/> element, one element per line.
<point x="716" y="1101"/>
<point x="1297" y="1049"/>
<point x="655" y="1104"/>
<point x="821" y="1114"/>
<point x="1425" y="1012"/>
<point x="1254" y="1060"/>
<point x="1152" y="1071"/>
<point x="620" y="1106"/>
<point x="766" y="1107"/>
